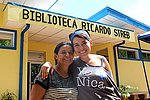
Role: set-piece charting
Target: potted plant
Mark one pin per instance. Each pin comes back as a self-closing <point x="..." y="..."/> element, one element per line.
<point x="125" y="91"/>
<point x="8" y="96"/>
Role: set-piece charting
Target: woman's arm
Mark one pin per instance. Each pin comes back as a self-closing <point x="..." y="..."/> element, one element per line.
<point x="107" y="65"/>
<point x="37" y="92"/>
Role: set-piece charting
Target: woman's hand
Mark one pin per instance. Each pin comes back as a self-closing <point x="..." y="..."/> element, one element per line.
<point x="45" y="68"/>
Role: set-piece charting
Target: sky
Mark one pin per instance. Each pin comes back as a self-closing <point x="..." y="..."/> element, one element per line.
<point x="136" y="9"/>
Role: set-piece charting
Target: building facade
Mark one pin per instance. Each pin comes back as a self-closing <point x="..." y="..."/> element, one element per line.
<point x="28" y="36"/>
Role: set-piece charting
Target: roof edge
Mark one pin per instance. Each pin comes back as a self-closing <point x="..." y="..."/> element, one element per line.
<point x="109" y="11"/>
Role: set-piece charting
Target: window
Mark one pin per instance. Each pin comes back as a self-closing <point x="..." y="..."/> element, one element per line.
<point x="5" y="42"/>
<point x="128" y="53"/>
<point x="146" y="55"/>
<point x="132" y="53"/>
<point x="7" y="39"/>
<point x="36" y="56"/>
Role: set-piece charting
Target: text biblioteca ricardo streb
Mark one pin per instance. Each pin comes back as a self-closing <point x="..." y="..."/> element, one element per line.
<point x="54" y="19"/>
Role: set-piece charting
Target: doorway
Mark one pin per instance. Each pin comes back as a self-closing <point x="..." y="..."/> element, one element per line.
<point x="35" y="60"/>
<point x="33" y="70"/>
<point x="103" y="52"/>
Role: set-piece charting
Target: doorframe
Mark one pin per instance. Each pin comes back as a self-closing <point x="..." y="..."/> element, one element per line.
<point x="29" y="74"/>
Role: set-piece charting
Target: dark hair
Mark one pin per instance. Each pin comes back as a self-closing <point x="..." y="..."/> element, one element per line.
<point x="58" y="46"/>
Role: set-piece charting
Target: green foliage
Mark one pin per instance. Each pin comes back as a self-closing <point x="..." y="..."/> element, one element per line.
<point x="8" y="96"/>
<point x="126" y="89"/>
<point x="122" y="53"/>
<point x="4" y="42"/>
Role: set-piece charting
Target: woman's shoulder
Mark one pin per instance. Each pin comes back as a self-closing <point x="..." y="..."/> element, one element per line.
<point x="97" y="56"/>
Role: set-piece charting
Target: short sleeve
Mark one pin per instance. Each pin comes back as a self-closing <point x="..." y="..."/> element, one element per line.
<point x="42" y="82"/>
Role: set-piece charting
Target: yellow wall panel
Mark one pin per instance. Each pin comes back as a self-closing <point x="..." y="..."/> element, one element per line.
<point x="9" y="65"/>
<point x="131" y="73"/>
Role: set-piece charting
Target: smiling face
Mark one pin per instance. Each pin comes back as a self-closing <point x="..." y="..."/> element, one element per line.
<point x="82" y="46"/>
<point x="65" y="55"/>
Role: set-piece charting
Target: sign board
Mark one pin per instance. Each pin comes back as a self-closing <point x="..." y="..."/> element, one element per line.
<point x="24" y="14"/>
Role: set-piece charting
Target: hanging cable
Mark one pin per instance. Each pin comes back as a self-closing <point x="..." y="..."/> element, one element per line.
<point x="51" y="5"/>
